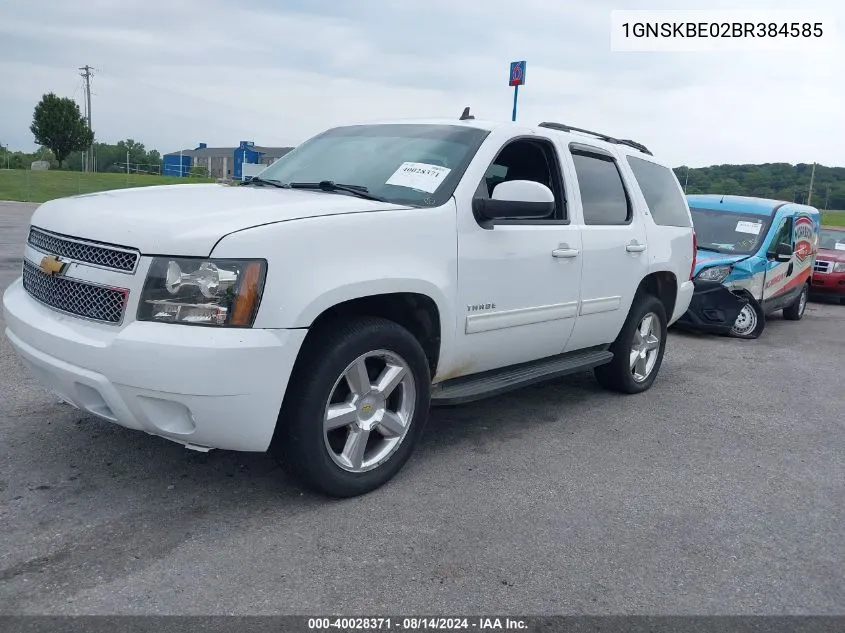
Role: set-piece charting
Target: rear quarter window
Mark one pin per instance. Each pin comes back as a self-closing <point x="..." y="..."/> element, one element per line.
<point x="660" y="190"/>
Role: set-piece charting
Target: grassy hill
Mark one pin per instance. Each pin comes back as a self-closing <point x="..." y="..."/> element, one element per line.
<point x="780" y="181"/>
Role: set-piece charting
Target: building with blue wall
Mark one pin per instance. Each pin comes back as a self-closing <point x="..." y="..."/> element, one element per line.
<point x="220" y="162"/>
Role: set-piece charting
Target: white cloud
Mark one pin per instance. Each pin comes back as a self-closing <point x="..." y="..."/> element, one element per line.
<point x="173" y="74"/>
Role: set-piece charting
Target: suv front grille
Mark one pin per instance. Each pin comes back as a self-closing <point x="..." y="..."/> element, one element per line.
<point x="821" y="266"/>
<point x="104" y="256"/>
<point x="80" y="298"/>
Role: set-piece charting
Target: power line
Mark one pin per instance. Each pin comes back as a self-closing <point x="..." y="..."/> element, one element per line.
<point x="86" y="76"/>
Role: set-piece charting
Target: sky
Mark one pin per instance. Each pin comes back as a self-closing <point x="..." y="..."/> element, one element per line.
<point x="172" y="74"/>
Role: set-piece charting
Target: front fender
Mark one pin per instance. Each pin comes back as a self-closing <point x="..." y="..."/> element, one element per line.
<point x="316" y="263"/>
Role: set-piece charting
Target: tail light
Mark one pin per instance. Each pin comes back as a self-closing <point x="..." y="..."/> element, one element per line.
<point x="694" y="253"/>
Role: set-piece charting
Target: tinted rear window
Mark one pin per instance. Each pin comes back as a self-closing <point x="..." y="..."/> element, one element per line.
<point x="603" y="195"/>
<point x="660" y="190"/>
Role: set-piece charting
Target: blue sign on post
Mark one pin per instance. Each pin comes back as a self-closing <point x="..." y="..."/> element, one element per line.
<point x="517" y="75"/>
<point x="516" y="78"/>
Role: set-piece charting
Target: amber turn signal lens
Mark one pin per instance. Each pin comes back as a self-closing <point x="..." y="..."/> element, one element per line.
<point x="247" y="299"/>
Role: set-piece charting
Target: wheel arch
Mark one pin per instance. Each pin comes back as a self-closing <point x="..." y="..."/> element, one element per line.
<point x="418" y="312"/>
<point x="662" y="284"/>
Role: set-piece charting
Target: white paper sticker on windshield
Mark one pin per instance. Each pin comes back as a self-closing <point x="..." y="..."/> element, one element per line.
<point x="748" y="227"/>
<point x="840" y="246"/>
<point x="420" y="176"/>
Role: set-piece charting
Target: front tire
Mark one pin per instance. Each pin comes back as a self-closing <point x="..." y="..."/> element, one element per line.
<point x="638" y="350"/>
<point x="355" y="407"/>
<point x="796" y="310"/>
<point x="750" y="322"/>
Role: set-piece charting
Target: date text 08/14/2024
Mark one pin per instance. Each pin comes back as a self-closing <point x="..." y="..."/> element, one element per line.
<point x="416" y="624"/>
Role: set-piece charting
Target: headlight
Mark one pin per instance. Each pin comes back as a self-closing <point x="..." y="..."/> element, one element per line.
<point x="714" y="273"/>
<point x="219" y="292"/>
<point x="839" y="267"/>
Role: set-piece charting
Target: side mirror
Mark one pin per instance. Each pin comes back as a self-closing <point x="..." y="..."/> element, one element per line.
<point x="516" y="199"/>
<point x="783" y="252"/>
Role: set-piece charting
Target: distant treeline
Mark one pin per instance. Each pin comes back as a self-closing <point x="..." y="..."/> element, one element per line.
<point x="109" y="158"/>
<point x="780" y="181"/>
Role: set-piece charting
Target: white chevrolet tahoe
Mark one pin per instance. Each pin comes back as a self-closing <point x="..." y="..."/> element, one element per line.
<point x="319" y="309"/>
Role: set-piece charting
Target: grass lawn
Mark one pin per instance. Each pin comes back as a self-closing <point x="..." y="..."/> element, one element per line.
<point x="833" y="218"/>
<point x="25" y="185"/>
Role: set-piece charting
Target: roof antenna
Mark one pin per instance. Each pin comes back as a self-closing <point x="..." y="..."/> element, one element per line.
<point x="722" y="199"/>
<point x="466" y="115"/>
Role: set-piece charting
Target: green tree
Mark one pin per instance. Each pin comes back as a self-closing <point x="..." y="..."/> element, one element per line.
<point x="58" y="124"/>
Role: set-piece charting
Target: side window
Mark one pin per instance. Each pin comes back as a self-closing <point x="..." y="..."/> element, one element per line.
<point x="660" y="190"/>
<point x="782" y="236"/>
<point x="527" y="159"/>
<point x="603" y="195"/>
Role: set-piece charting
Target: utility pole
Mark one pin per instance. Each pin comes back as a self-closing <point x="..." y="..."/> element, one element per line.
<point x="686" y="180"/>
<point x="86" y="75"/>
<point x="827" y="198"/>
<point x="812" y="177"/>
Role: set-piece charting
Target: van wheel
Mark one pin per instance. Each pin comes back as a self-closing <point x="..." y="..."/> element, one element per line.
<point x="355" y="407"/>
<point x="638" y="350"/>
<point x="750" y="321"/>
<point x="795" y="311"/>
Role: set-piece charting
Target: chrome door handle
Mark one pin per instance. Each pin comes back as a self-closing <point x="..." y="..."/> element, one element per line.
<point x="635" y="248"/>
<point x="565" y="252"/>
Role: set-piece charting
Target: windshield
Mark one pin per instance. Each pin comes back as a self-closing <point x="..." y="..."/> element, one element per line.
<point x="832" y="239"/>
<point x="410" y="164"/>
<point x="729" y="232"/>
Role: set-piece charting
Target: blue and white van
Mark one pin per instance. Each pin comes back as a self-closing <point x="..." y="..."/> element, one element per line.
<point x="754" y="256"/>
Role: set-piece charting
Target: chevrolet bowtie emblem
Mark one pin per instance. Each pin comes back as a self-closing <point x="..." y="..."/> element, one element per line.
<point x="52" y="265"/>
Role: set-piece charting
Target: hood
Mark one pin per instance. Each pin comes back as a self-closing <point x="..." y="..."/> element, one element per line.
<point x="187" y="219"/>
<point x="831" y="255"/>
<point x="706" y="259"/>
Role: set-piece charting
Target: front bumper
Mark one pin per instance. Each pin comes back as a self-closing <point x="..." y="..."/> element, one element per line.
<point x="713" y="308"/>
<point x="199" y="386"/>
<point x="828" y="284"/>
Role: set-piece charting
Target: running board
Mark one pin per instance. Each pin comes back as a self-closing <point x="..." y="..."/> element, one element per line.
<point x="492" y="383"/>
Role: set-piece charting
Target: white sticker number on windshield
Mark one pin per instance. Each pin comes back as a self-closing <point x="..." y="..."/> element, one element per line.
<point x="840" y="246"/>
<point x="752" y="228"/>
<point x="420" y="176"/>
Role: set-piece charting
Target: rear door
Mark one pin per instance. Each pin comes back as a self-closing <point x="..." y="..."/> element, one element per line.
<point x="615" y="257"/>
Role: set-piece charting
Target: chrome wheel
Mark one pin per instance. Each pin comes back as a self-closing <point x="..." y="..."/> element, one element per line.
<point x="369" y="411"/>
<point x="746" y="321"/>
<point x="645" y="347"/>
<point x="802" y="301"/>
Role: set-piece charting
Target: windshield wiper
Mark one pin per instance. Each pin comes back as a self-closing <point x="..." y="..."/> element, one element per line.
<point x="708" y="248"/>
<point x="262" y="181"/>
<point x="331" y="186"/>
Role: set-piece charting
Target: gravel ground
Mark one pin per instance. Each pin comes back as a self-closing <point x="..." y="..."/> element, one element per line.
<point x="719" y="491"/>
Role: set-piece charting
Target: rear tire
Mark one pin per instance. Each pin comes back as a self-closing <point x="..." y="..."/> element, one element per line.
<point x="355" y="407"/>
<point x="638" y="350"/>
<point x="795" y="311"/>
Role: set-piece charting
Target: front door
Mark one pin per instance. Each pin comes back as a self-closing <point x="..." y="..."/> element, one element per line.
<point x="518" y="282"/>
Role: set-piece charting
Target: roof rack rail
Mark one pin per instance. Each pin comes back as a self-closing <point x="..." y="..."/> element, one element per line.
<point x="604" y="137"/>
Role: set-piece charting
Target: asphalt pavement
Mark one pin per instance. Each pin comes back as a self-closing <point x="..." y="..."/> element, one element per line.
<point x="719" y="491"/>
